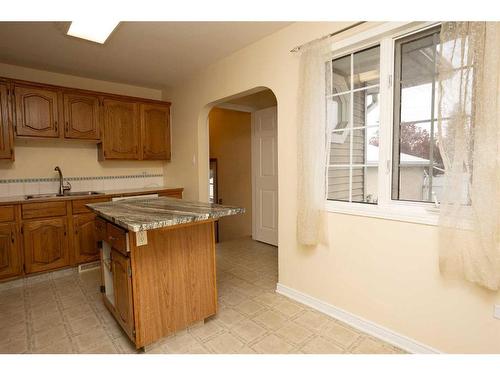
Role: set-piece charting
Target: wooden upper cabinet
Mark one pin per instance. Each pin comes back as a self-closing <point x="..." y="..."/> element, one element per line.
<point x="45" y="244"/>
<point x="10" y="261"/>
<point x="155" y="131"/>
<point x="121" y="130"/>
<point x="36" y="110"/>
<point x="6" y="149"/>
<point x="122" y="285"/>
<point x="81" y="116"/>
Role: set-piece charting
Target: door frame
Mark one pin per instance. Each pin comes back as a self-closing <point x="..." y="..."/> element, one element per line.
<point x="202" y="157"/>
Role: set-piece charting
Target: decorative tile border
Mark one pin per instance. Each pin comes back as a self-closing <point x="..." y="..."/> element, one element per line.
<point x="77" y="178"/>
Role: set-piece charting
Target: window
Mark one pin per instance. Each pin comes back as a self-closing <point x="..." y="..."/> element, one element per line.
<point x="381" y="110"/>
<point x="418" y="171"/>
<point x="353" y="117"/>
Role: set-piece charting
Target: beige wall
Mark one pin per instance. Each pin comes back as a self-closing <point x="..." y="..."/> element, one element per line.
<point x="37" y="158"/>
<point x="384" y="271"/>
<point x="230" y="143"/>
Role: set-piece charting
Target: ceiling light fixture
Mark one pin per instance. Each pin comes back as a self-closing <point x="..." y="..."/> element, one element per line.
<point x="94" y="30"/>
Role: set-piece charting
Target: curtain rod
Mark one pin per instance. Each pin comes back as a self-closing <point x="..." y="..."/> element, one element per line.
<point x="298" y="48"/>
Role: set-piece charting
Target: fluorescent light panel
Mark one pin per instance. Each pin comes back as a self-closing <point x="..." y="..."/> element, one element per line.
<point x="94" y="30"/>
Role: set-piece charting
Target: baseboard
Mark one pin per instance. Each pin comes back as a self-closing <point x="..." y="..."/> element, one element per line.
<point x="357" y="322"/>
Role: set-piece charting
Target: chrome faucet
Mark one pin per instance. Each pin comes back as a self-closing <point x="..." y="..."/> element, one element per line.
<point x="62" y="188"/>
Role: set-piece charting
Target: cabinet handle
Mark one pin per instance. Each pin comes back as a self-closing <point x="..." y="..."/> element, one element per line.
<point x="67" y="126"/>
<point x="12" y="237"/>
<point x="55" y="125"/>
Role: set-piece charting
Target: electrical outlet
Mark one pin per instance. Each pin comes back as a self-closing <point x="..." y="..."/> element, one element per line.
<point x="496" y="311"/>
<point x="141" y="238"/>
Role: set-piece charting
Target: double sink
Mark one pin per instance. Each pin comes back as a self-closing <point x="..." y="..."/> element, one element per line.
<point x="66" y="194"/>
<point x="64" y="190"/>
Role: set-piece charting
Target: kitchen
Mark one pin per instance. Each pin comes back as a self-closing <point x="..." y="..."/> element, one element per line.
<point x="199" y="187"/>
<point x="83" y="166"/>
<point x="44" y="232"/>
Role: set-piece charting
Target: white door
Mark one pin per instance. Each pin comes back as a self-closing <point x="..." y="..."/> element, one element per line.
<point x="265" y="176"/>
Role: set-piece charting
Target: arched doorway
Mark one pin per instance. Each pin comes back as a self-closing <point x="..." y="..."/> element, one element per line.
<point x="241" y="159"/>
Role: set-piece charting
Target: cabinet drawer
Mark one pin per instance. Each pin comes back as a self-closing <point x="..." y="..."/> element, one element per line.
<point x="100" y="229"/>
<point x="117" y="238"/>
<point x="46" y="209"/>
<point x="79" y="204"/>
<point x="6" y="213"/>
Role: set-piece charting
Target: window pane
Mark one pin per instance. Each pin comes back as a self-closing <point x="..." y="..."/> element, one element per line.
<point x="340" y="147"/>
<point x="417" y="161"/>
<point x="413" y="180"/>
<point x="366" y="111"/>
<point x="416" y="102"/>
<point x="341" y="74"/>
<point x="372" y="103"/>
<point x="358" y="146"/>
<point x="364" y="184"/>
<point x="338" y="183"/>
<point x="353" y="119"/>
<point x="417" y="61"/>
<point x="372" y="146"/>
<point x="338" y="111"/>
<point x="366" y="67"/>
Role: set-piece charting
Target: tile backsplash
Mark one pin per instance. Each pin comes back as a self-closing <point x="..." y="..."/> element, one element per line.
<point x="24" y="186"/>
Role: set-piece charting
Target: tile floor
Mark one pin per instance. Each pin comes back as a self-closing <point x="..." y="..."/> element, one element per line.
<point x="62" y="312"/>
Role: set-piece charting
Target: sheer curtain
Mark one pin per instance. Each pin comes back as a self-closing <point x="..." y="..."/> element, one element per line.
<point x="311" y="145"/>
<point x="469" y="137"/>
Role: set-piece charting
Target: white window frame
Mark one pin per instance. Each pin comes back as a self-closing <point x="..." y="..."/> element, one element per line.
<point x="384" y="35"/>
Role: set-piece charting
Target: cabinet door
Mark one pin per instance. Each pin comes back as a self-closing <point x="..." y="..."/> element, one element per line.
<point x="122" y="284"/>
<point x="155" y="132"/>
<point x="6" y="149"/>
<point x="45" y="244"/>
<point x="36" y="112"/>
<point x="10" y="260"/>
<point x="121" y="130"/>
<point x="81" y="116"/>
<point x="85" y="240"/>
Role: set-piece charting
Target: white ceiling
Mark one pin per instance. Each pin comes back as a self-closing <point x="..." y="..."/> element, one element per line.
<point x="150" y="54"/>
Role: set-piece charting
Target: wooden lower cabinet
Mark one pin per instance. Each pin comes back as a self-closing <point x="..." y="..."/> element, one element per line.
<point x="85" y="238"/>
<point x="10" y="259"/>
<point x="44" y="236"/>
<point x="122" y="285"/>
<point x="164" y="286"/>
<point x="45" y="244"/>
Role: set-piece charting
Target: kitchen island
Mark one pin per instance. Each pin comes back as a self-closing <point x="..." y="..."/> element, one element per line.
<point x="158" y="263"/>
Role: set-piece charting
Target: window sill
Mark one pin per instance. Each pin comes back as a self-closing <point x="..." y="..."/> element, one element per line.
<point x="397" y="211"/>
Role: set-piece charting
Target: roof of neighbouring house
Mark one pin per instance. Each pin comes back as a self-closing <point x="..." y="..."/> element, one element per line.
<point x="372" y="153"/>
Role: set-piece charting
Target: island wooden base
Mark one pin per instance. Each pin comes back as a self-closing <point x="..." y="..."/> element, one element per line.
<point x="172" y="281"/>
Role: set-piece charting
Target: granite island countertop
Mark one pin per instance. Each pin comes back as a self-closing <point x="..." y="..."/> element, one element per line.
<point x="139" y="214"/>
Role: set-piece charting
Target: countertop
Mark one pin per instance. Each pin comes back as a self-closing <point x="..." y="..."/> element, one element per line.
<point x="140" y="214"/>
<point x="13" y="199"/>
